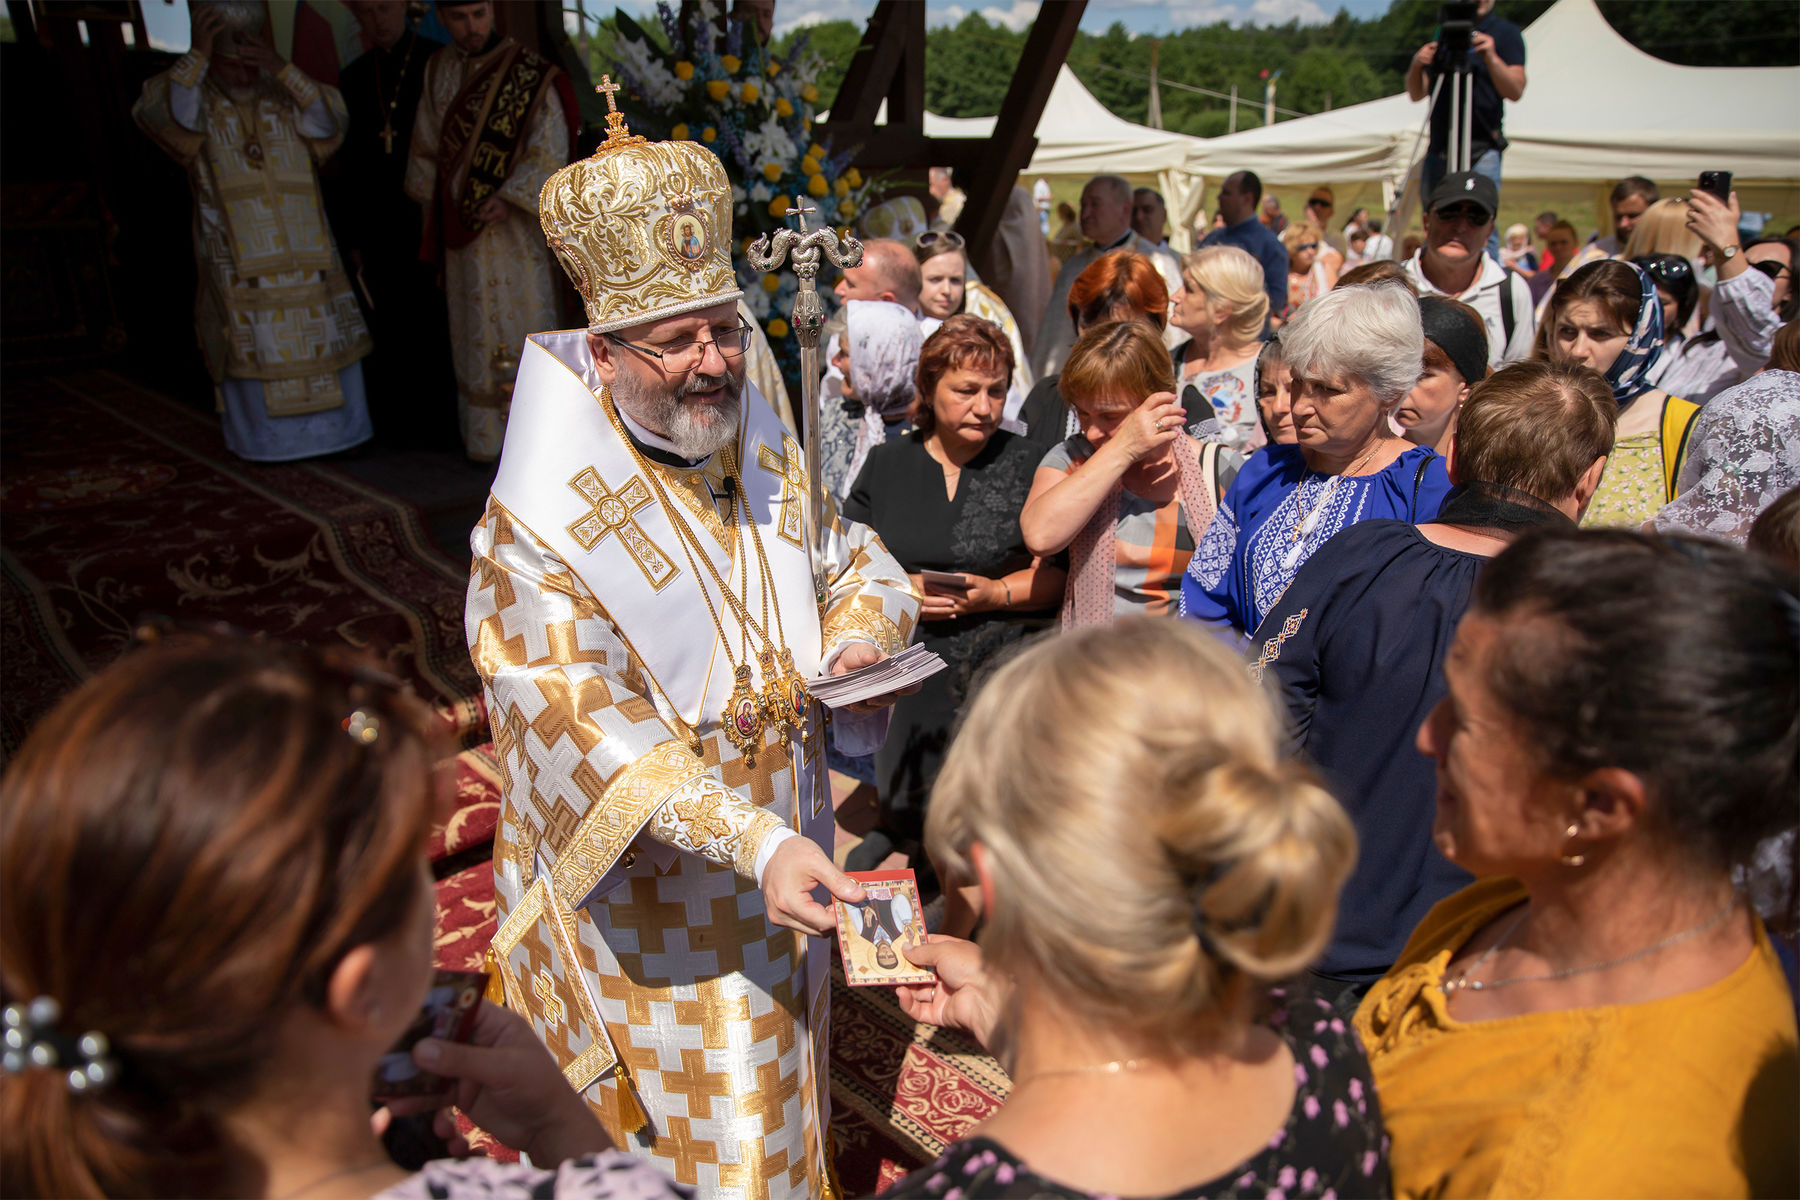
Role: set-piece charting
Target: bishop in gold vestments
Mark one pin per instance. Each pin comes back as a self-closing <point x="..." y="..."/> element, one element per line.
<point x="642" y="615"/>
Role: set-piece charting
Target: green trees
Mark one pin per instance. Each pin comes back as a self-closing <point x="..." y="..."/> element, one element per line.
<point x="1344" y="61"/>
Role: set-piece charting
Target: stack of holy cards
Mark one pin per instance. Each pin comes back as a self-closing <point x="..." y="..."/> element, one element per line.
<point x="904" y="669"/>
<point x="875" y="935"/>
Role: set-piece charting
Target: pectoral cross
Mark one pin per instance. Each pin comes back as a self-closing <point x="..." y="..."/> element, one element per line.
<point x="793" y="482"/>
<point x="611" y="513"/>
<point x="387" y="138"/>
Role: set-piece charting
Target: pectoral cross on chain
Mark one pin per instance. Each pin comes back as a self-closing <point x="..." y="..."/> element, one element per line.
<point x="611" y="513"/>
<point x="387" y="138"/>
<point x="793" y="484"/>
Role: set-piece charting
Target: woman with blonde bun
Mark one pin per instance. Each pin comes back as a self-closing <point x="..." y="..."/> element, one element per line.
<point x="1150" y="864"/>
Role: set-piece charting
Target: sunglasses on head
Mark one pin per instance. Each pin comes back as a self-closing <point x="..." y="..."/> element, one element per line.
<point x="1771" y="268"/>
<point x="1474" y="214"/>
<point x="939" y="237"/>
<point x="1666" y="268"/>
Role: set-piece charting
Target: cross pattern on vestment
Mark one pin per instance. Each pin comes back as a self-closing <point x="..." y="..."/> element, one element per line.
<point x="793" y="482"/>
<point x="552" y="1008"/>
<point x="610" y="513"/>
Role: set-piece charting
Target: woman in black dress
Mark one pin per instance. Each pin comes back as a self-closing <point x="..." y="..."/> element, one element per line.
<point x="1356" y="644"/>
<point x="945" y="499"/>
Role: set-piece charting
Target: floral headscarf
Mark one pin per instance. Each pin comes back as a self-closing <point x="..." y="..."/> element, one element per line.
<point x="1629" y="376"/>
<point x="883" y="340"/>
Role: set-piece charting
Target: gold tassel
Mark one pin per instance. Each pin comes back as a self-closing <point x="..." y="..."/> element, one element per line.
<point x="496" y="987"/>
<point x="631" y="1113"/>
<point x="833" y="1190"/>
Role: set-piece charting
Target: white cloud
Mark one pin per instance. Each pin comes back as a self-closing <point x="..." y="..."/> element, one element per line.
<point x="798" y="14"/>
<point x="1017" y="18"/>
<point x="1280" y="12"/>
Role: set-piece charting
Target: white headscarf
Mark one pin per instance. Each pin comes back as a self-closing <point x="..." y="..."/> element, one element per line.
<point x="883" y="340"/>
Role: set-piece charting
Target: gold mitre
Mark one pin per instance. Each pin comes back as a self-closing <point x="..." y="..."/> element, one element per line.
<point x="643" y="228"/>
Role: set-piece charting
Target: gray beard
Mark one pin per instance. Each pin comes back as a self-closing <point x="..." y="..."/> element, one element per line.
<point x="694" y="432"/>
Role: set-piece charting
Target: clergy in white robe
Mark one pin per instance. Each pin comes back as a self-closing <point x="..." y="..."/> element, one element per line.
<point x="643" y="614"/>
<point x="278" y="325"/>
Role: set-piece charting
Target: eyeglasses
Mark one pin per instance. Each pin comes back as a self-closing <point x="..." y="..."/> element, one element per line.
<point x="1473" y="214"/>
<point x="677" y="357"/>
<point x="1670" y="270"/>
<point x="1306" y="246"/>
<point x="937" y="237"/>
<point x="1771" y="268"/>
<point x="1320" y="202"/>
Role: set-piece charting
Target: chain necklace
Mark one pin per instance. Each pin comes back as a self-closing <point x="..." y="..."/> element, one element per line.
<point x="1309" y="519"/>
<point x="747" y="713"/>
<point x="1463" y="982"/>
<point x="387" y="119"/>
<point x="786" y="702"/>
<point x="1117" y="1066"/>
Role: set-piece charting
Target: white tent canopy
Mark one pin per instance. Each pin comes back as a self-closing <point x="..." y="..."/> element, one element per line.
<point x="1595" y="108"/>
<point x="1077" y="135"/>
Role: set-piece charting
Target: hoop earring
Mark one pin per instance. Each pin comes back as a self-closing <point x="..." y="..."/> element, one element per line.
<point x="1572" y="860"/>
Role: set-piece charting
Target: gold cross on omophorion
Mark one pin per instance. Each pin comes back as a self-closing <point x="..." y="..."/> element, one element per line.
<point x="611" y="513"/>
<point x="793" y="486"/>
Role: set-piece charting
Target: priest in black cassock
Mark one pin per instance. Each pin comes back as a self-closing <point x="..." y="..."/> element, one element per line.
<point x="411" y="388"/>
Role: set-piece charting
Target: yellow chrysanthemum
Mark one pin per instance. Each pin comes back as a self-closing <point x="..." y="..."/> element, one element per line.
<point x="783" y="108"/>
<point x="751" y="92"/>
<point x="773" y="69"/>
<point x="778" y="328"/>
<point x="771" y="171"/>
<point x="809" y="165"/>
<point x="731" y="64"/>
<point x="810" y="94"/>
<point x="708" y="134"/>
<point x="778" y="207"/>
<point x="846" y="210"/>
<point x="841" y="187"/>
<point x="684" y="71"/>
<point x="817" y="186"/>
<point x="854" y="176"/>
<point x="771" y="283"/>
<point x="717" y="88"/>
<point x="679" y="133"/>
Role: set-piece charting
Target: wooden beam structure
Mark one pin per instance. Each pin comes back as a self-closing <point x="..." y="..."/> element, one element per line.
<point x="889" y="64"/>
<point x="1015" y="129"/>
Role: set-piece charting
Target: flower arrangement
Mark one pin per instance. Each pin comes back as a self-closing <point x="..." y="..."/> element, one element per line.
<point x="755" y="111"/>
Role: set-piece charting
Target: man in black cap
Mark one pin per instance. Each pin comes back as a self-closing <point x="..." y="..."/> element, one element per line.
<point x="1459" y="218"/>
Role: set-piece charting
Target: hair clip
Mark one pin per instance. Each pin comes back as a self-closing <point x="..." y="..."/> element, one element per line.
<point x="363" y="726"/>
<point x="32" y="1040"/>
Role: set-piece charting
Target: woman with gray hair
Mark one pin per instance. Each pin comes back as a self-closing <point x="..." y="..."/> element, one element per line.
<point x="1353" y="354"/>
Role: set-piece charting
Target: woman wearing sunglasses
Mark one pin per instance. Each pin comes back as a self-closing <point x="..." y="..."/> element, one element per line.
<point x="945" y="289"/>
<point x="1306" y="272"/>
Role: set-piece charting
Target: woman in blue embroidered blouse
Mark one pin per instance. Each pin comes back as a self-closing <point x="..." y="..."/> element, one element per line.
<point x="1353" y="353"/>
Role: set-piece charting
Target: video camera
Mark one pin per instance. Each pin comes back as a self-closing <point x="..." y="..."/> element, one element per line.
<point x="1456" y="29"/>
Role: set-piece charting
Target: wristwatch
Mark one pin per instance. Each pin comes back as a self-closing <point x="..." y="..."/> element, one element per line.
<point x="1727" y="253"/>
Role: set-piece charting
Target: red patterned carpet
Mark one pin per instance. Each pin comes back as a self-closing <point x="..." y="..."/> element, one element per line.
<point x="117" y="502"/>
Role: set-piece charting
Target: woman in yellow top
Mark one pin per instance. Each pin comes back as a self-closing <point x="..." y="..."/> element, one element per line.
<point x="1602" y="1013"/>
<point x="1607" y="316"/>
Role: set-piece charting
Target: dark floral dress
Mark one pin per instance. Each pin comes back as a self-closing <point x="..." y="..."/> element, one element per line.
<point x="1333" y="1145"/>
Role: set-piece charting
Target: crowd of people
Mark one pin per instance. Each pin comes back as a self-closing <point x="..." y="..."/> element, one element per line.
<point x="1366" y="759"/>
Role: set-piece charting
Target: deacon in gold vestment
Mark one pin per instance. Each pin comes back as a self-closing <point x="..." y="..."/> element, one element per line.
<point x="490" y="130"/>
<point x="278" y="325"/>
<point x="642" y="610"/>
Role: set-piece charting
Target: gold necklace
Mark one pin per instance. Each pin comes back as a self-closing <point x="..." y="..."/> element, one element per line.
<point x="1310" y="517"/>
<point x="746" y="713"/>
<point x="1117" y="1066"/>
<point x="786" y="702"/>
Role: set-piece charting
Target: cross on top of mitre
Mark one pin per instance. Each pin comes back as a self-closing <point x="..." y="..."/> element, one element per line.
<point x="616" y="132"/>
